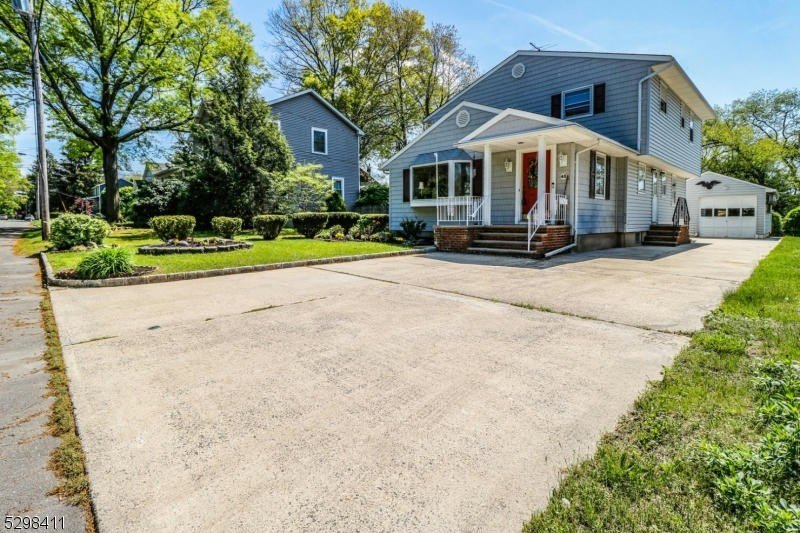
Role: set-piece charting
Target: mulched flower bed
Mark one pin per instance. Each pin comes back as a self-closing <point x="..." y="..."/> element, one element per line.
<point x="192" y="246"/>
<point x="137" y="271"/>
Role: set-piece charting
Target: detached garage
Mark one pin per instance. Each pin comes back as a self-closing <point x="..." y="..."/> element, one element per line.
<point x="722" y="206"/>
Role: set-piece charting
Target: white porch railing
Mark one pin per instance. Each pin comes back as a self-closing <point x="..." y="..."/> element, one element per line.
<point x="459" y="210"/>
<point x="553" y="210"/>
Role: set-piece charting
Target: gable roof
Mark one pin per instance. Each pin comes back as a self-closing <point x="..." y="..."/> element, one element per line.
<point x="327" y="104"/>
<point x="433" y="126"/>
<point x="708" y="174"/>
<point x="677" y="80"/>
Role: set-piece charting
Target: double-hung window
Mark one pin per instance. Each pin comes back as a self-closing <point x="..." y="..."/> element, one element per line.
<point x="577" y="102"/>
<point x="319" y="141"/>
<point x="600" y="184"/>
<point x="641" y="179"/>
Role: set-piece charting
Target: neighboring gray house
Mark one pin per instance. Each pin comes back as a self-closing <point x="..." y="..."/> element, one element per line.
<point x="319" y="133"/>
<point x="621" y="133"/>
<point x="722" y="206"/>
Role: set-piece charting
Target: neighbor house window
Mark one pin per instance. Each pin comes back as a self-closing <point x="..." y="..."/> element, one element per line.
<point x="577" y="102"/>
<point x="428" y="180"/>
<point x="600" y="184"/>
<point x="278" y="124"/>
<point x="641" y="178"/>
<point x="319" y="141"/>
<point x="338" y="185"/>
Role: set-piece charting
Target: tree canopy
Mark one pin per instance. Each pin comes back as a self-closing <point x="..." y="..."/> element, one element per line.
<point x="117" y="70"/>
<point x="378" y="63"/>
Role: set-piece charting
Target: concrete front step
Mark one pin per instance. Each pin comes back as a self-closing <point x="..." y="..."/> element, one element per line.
<point x="504" y="236"/>
<point x="514" y="245"/>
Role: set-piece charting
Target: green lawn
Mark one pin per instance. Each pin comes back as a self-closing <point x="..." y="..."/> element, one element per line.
<point x="288" y="247"/>
<point x="653" y="472"/>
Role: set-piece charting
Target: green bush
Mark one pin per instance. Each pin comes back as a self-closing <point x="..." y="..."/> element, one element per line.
<point x="70" y="230"/>
<point x="380" y="221"/>
<point x="334" y="203"/>
<point x="334" y="233"/>
<point x="362" y="230"/>
<point x="791" y="222"/>
<point x="373" y="195"/>
<point x="155" y="198"/>
<point x="412" y="228"/>
<point x="226" y="227"/>
<point x="173" y="227"/>
<point x="269" y="226"/>
<point x="309" y="224"/>
<point x="345" y="219"/>
<point x="106" y="263"/>
<point x="777" y="223"/>
<point x="385" y="236"/>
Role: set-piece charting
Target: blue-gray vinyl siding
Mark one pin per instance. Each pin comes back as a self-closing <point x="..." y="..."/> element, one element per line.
<point x="639" y="204"/>
<point x="298" y="116"/>
<point x="443" y="137"/>
<point x="596" y="215"/>
<point x="545" y="76"/>
<point x="664" y="137"/>
<point x="504" y="189"/>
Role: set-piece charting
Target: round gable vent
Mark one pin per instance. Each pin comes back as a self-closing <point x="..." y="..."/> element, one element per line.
<point x="517" y="70"/>
<point x="462" y="118"/>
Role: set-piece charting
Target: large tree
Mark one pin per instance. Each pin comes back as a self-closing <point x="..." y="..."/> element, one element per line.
<point x="377" y="63"/>
<point x="117" y="70"/>
<point x="758" y="139"/>
<point x="234" y="148"/>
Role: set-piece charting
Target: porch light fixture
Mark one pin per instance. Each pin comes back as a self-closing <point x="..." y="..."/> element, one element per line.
<point x="562" y="159"/>
<point x="508" y="164"/>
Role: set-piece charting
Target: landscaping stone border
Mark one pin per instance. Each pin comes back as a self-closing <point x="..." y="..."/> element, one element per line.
<point x="163" y="249"/>
<point x="53" y="281"/>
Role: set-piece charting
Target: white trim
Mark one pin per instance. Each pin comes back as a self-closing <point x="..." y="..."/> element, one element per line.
<point x="313" y="131"/>
<point x="576" y="89"/>
<point x="423" y="202"/>
<point x="327" y="104"/>
<point x="434" y="125"/>
<point x="517" y="113"/>
<point x="334" y="179"/>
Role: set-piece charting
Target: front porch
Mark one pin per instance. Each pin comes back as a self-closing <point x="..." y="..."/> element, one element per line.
<point x="505" y="239"/>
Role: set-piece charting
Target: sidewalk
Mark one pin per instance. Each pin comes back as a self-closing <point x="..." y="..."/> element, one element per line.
<point x="25" y="445"/>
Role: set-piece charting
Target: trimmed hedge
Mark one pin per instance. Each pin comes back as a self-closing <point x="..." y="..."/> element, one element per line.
<point x="345" y="219"/>
<point x="791" y="222"/>
<point x="309" y="224"/>
<point x="173" y="227"/>
<point x="226" y="227"/>
<point x="380" y="221"/>
<point x="70" y="230"/>
<point x="269" y="226"/>
<point x="777" y="224"/>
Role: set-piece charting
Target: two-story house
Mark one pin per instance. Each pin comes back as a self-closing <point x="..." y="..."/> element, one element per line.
<point x="554" y="149"/>
<point x="319" y="133"/>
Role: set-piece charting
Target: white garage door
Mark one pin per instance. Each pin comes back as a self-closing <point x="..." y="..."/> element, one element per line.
<point x="728" y="216"/>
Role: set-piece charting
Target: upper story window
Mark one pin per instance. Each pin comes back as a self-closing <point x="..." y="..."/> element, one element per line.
<point x="319" y="141"/>
<point x="577" y="102"/>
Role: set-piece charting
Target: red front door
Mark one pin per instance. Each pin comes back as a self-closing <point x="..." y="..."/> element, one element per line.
<point x="530" y="179"/>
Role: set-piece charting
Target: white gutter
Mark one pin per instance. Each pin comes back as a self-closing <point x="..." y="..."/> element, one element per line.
<point x="577" y="189"/>
<point x="639" y="109"/>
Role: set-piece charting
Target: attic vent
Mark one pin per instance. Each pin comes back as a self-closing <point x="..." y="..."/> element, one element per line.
<point x="462" y="118"/>
<point x="517" y="70"/>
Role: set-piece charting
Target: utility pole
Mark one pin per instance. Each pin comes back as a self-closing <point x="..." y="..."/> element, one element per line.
<point x="26" y="9"/>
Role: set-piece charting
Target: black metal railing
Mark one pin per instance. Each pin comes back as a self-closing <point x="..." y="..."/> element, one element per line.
<point x="681" y="213"/>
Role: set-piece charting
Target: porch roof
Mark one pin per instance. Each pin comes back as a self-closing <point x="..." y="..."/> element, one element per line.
<point x="514" y="130"/>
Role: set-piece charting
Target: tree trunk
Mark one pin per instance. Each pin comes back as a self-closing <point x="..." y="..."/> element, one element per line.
<point x="111" y="174"/>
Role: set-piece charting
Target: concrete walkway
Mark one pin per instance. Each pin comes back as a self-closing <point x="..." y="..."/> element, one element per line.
<point x="25" y="445"/>
<point x="392" y="394"/>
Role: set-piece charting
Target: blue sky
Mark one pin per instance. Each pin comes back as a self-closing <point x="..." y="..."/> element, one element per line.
<point x="729" y="48"/>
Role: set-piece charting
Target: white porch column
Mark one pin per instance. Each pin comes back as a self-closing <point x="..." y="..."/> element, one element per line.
<point x="487" y="185"/>
<point x="542" y="174"/>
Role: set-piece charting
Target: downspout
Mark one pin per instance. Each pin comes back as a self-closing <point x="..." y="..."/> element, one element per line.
<point x="639" y="109"/>
<point x="577" y="185"/>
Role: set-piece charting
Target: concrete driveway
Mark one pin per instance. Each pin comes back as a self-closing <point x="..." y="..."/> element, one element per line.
<point x="402" y="393"/>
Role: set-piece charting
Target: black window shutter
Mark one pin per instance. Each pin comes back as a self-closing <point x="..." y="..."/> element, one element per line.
<point x="406" y="185"/>
<point x="477" y="179"/>
<point x="592" y="170"/>
<point x="555" y="105"/>
<point x="599" y="98"/>
<point x="608" y="178"/>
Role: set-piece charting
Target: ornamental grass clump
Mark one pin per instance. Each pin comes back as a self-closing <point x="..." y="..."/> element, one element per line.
<point x="106" y="263"/>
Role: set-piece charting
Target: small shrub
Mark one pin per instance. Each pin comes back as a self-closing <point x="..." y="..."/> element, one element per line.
<point x="106" y="263"/>
<point x="777" y="223"/>
<point x="412" y="228"/>
<point x="226" y="227"/>
<point x="791" y="222"/>
<point x="269" y="226"/>
<point x="334" y="203"/>
<point x="380" y="221"/>
<point x="362" y="230"/>
<point x="334" y="233"/>
<point x="173" y="227"/>
<point x="384" y="236"/>
<point x="70" y="230"/>
<point x="309" y="224"/>
<point x="344" y="219"/>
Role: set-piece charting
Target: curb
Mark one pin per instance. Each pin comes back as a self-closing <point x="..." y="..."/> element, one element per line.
<point x="52" y="281"/>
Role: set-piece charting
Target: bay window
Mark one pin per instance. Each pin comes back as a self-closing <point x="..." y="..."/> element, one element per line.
<point x="441" y="180"/>
<point x="425" y="181"/>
